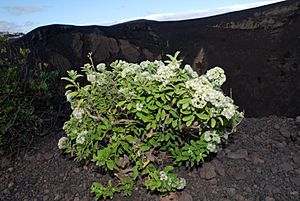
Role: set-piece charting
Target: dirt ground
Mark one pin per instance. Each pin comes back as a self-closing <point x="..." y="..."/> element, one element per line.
<point x="261" y="162"/>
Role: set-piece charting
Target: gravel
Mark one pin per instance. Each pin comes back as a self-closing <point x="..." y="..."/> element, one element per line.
<point x="259" y="163"/>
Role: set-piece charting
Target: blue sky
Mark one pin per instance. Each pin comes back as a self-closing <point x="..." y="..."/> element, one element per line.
<point x="25" y="15"/>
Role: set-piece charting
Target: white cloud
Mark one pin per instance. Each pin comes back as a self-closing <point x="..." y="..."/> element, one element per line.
<point x="13" y="27"/>
<point x="19" y="10"/>
<point x="195" y="13"/>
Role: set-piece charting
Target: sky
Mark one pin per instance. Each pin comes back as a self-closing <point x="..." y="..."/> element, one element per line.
<point x="25" y="15"/>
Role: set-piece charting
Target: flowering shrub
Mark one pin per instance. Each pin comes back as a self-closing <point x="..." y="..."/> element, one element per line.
<point x="140" y="120"/>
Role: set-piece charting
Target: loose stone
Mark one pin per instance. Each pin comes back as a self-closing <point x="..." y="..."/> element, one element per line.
<point x="239" y="154"/>
<point x="208" y="171"/>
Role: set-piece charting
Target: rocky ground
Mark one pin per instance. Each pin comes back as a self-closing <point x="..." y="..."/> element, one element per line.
<point x="261" y="162"/>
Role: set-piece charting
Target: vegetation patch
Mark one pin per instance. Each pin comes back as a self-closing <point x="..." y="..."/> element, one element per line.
<point x="139" y="121"/>
<point x="24" y="101"/>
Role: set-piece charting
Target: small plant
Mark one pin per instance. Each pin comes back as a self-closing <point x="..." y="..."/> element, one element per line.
<point x="138" y="121"/>
<point x="16" y="108"/>
<point x="20" y="117"/>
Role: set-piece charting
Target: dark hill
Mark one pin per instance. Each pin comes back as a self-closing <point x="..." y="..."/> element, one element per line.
<point x="258" y="48"/>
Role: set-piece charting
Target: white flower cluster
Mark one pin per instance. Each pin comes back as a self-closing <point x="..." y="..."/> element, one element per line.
<point x="147" y="70"/>
<point x="97" y="78"/>
<point x="175" y="184"/>
<point x="190" y="71"/>
<point x="163" y="74"/>
<point x="216" y="75"/>
<point x="68" y="95"/>
<point x="78" y="113"/>
<point x="101" y="67"/>
<point x="212" y="136"/>
<point x="146" y="76"/>
<point x="130" y="69"/>
<point x="211" y="147"/>
<point x="62" y="142"/>
<point x="139" y="107"/>
<point x="206" y="90"/>
<point x="148" y="65"/>
<point x="81" y="137"/>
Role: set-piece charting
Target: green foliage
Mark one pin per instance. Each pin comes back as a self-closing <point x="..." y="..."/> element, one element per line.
<point x="163" y="181"/>
<point x="19" y="120"/>
<point x="134" y="119"/>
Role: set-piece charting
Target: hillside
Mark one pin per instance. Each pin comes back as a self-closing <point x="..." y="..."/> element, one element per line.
<point x="258" y="48"/>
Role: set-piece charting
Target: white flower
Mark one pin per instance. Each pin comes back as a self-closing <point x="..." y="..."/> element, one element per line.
<point x="198" y="103"/>
<point x="164" y="73"/>
<point x="144" y="64"/>
<point x="163" y="176"/>
<point x="146" y="76"/>
<point x="62" y="142"/>
<point x="216" y="75"/>
<point x="212" y="136"/>
<point x="216" y="139"/>
<point x="81" y="137"/>
<point x="69" y="97"/>
<point x="87" y="65"/>
<point x="207" y="136"/>
<point x="190" y="71"/>
<point x="78" y="113"/>
<point x="228" y="111"/>
<point x="182" y="184"/>
<point x="211" y="147"/>
<point x="121" y="90"/>
<point x="139" y="106"/>
<point x="91" y="78"/>
<point x="130" y="69"/>
<point x="101" y="67"/>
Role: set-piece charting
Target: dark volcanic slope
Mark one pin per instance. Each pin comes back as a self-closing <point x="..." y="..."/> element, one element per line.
<point x="258" y="48"/>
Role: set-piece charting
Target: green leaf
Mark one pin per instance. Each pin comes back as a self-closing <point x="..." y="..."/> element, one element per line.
<point x="105" y="121"/>
<point x="110" y="164"/>
<point x="221" y="121"/>
<point x="145" y="148"/>
<point x="184" y="101"/>
<point x="129" y="106"/>
<point x="135" y="172"/>
<point x="190" y="122"/>
<point x="167" y="107"/>
<point x="121" y="103"/>
<point x="168" y="120"/>
<point x="174" y="123"/>
<point x="186" y="112"/>
<point x="163" y="97"/>
<point x="163" y="114"/>
<point x="188" y="118"/>
<point x="184" y="106"/>
<point x="158" y="115"/>
<point x="154" y="125"/>
<point x="168" y="168"/>
<point x="174" y="114"/>
<point x="158" y="103"/>
<point x="69" y="86"/>
<point x="152" y="107"/>
<point x="202" y="116"/>
<point x="130" y="139"/>
<point x="148" y="126"/>
<point x="149" y="98"/>
<point x="213" y="122"/>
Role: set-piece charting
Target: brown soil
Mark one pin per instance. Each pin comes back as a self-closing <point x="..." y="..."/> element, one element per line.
<point x="261" y="162"/>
